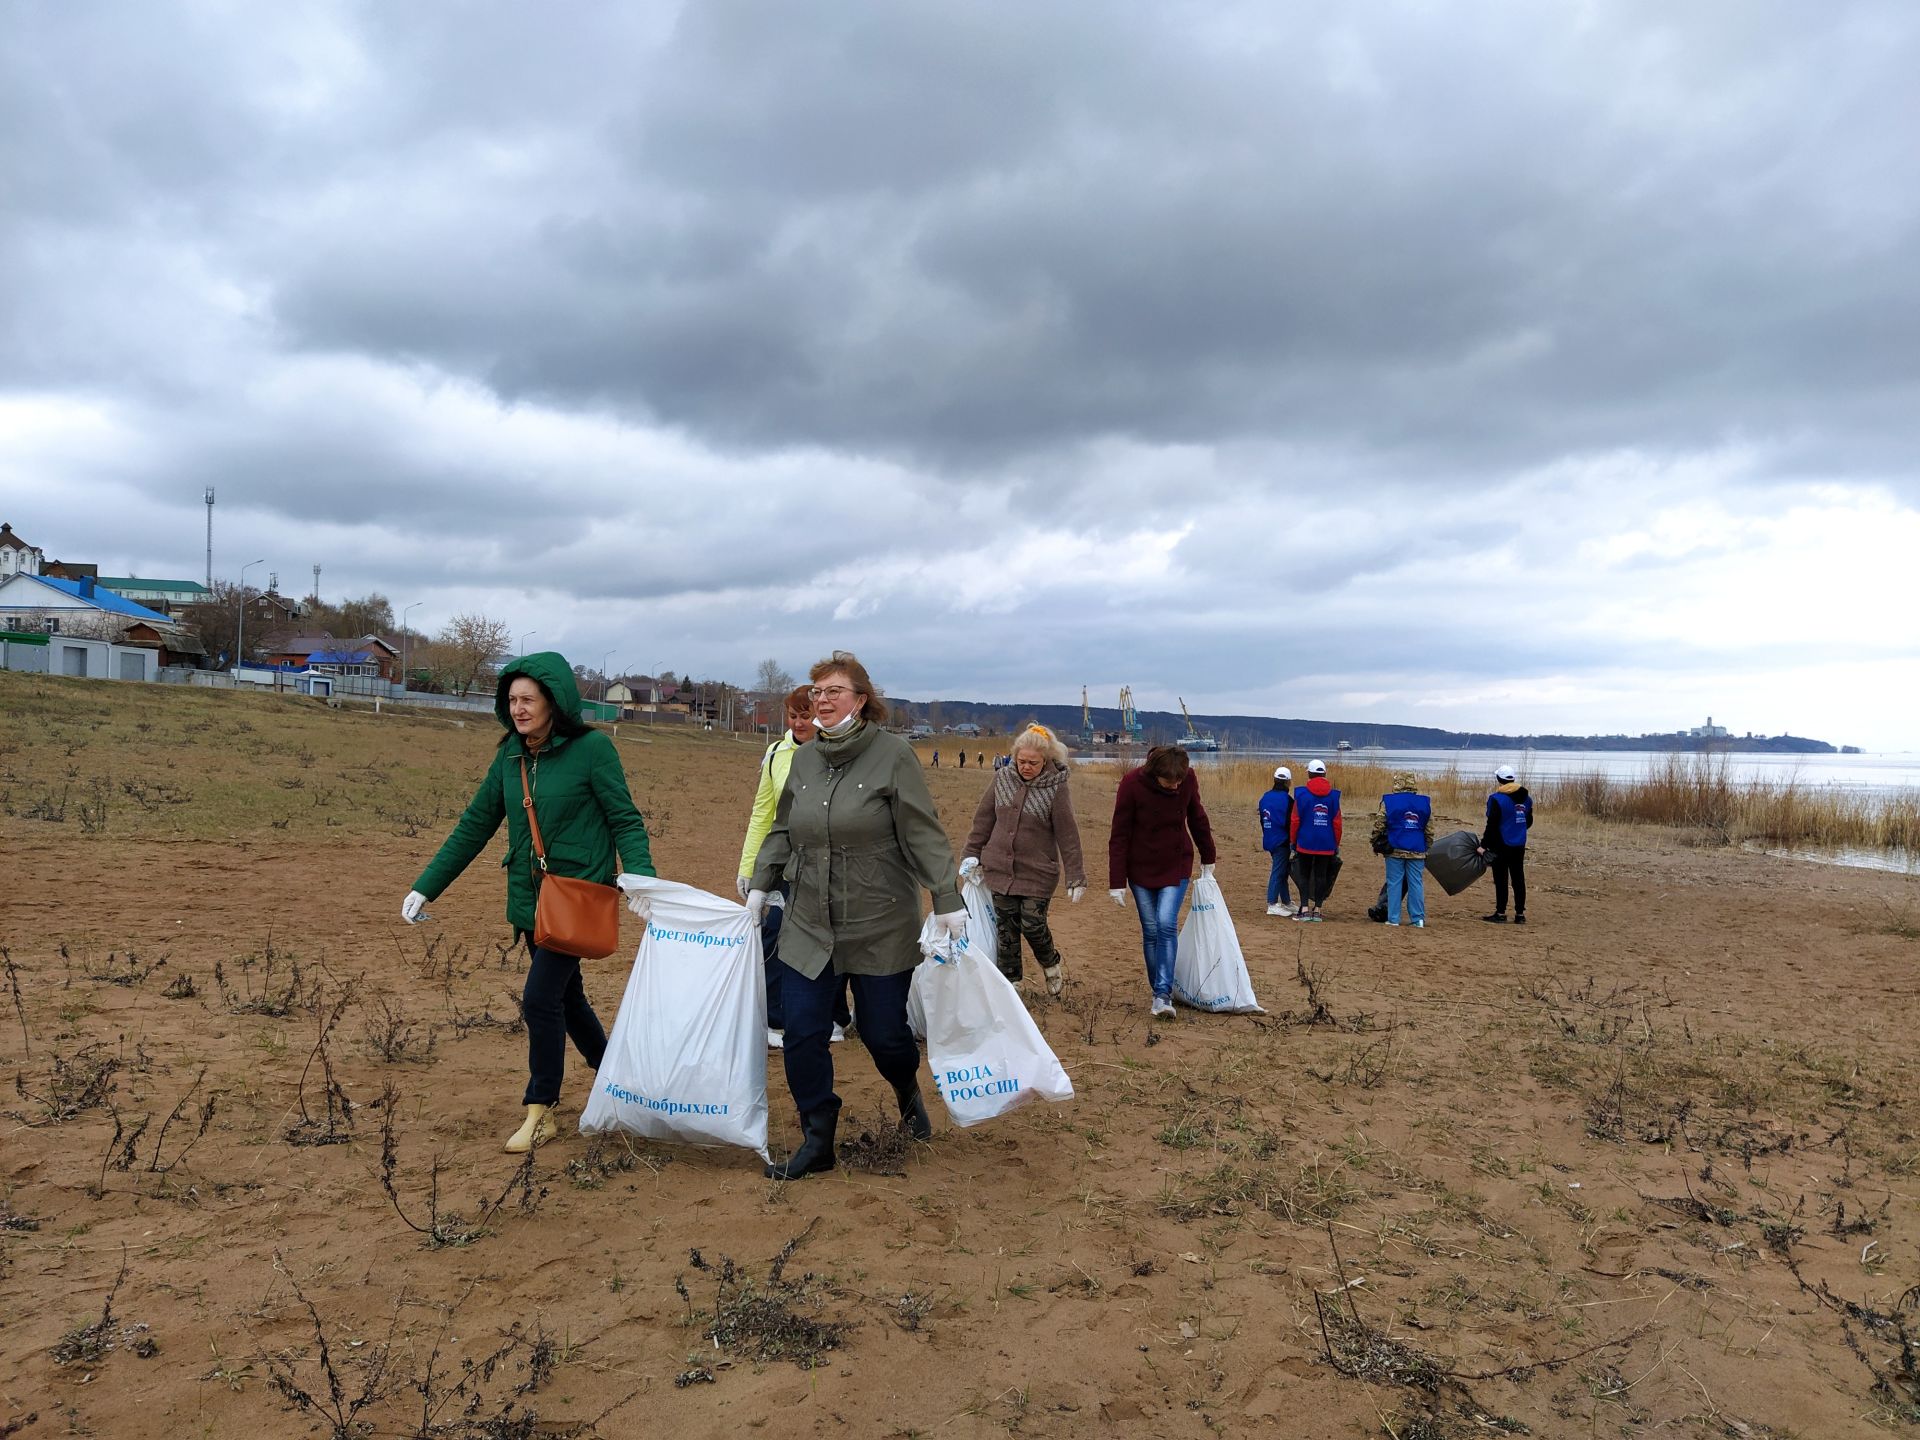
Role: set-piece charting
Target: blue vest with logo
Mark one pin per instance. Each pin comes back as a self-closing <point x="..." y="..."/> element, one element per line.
<point x="1316" y="835"/>
<point x="1514" y="817"/>
<point x="1276" y="810"/>
<point x="1407" y="817"/>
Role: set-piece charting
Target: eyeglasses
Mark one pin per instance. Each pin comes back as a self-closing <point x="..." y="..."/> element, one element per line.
<point x="820" y="693"/>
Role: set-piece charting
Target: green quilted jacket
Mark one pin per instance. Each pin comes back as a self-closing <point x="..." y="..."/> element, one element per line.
<point x="579" y="792"/>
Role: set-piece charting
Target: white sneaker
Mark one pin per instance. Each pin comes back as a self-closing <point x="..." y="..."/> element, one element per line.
<point x="776" y="1040"/>
<point x="1276" y="909"/>
<point x="1162" y="1009"/>
<point x="838" y="1035"/>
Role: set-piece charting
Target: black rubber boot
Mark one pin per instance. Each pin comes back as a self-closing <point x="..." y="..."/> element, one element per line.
<point x="816" y="1146"/>
<point x="913" y="1110"/>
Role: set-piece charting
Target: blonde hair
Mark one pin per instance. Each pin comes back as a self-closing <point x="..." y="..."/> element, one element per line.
<point x="1039" y="737"/>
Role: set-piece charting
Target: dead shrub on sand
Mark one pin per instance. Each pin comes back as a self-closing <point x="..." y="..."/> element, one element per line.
<point x="74" y="1084"/>
<point x="448" y="1229"/>
<point x="336" y="1128"/>
<point x="603" y="1161"/>
<point x="880" y="1151"/>
<point x="89" y="1344"/>
<point x="763" y="1321"/>
<point x="393" y="1036"/>
<point x="271" y="984"/>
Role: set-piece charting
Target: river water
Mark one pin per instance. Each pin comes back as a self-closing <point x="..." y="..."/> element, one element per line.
<point x="1888" y="774"/>
<point x="1882" y="774"/>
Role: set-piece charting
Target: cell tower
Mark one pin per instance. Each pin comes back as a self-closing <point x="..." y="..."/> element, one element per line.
<point x="209" y="537"/>
<point x="316" y="585"/>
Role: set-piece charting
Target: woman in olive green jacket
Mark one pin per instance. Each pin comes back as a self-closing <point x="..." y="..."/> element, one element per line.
<point x="856" y="836"/>
<point x="585" y="810"/>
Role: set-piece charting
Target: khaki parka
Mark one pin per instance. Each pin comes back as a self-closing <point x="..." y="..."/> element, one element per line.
<point x="857" y="837"/>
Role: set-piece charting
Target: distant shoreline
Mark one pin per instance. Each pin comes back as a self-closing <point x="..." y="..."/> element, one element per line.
<point x="1257" y="733"/>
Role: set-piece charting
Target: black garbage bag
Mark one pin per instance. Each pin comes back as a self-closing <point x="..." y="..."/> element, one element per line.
<point x="1455" y="861"/>
<point x="1299" y="874"/>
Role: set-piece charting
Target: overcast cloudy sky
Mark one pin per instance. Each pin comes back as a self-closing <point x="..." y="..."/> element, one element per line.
<point x="1493" y="364"/>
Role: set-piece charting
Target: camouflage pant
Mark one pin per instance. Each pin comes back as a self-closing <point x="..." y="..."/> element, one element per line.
<point x="1017" y="915"/>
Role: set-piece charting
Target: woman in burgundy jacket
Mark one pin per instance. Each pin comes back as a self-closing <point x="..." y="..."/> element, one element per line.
<point x="1157" y="821"/>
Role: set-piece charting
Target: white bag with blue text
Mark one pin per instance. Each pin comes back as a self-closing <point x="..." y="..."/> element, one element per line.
<point x="983" y="927"/>
<point x="1209" y="971"/>
<point x="687" y="1060"/>
<point x="988" y="1056"/>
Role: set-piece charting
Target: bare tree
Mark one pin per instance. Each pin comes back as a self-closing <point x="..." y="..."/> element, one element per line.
<point x="771" y="679"/>
<point x="216" y="619"/>
<point x="471" y="643"/>
<point x="371" y="614"/>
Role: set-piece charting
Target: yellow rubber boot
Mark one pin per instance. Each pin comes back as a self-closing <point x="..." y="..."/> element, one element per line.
<point x="536" y="1129"/>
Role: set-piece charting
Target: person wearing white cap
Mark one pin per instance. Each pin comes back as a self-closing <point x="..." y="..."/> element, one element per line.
<point x="1276" y="829"/>
<point x="1504" y="843"/>
<point x="1316" y="838"/>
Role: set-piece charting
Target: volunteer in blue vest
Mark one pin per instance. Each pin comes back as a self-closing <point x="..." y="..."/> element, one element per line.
<point x="1276" y="827"/>
<point x="1403" y="831"/>
<point x="1504" y="843"/>
<point x="774" y="765"/>
<point x="1316" y="838"/>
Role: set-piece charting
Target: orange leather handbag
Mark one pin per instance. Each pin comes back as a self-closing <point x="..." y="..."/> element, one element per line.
<point x="573" y="917"/>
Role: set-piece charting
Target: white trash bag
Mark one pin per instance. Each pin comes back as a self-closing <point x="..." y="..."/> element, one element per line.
<point x="687" y="1060"/>
<point x="988" y="1056"/>
<point x="1209" y="972"/>
<point x="983" y="928"/>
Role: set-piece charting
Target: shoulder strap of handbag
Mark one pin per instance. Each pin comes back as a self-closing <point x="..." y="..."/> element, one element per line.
<point x="533" y="816"/>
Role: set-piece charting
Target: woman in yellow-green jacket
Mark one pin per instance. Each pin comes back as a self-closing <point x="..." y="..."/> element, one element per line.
<point x="774" y="766"/>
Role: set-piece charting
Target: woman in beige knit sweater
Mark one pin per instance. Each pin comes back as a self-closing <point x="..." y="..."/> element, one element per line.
<point x="1023" y="836"/>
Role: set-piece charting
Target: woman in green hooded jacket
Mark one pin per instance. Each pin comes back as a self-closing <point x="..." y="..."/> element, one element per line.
<point x="586" y="812"/>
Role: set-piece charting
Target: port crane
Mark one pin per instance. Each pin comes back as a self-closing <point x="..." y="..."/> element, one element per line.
<point x="1193" y="739"/>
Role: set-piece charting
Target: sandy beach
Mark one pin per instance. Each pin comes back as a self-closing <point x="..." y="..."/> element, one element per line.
<point x="1649" y="1165"/>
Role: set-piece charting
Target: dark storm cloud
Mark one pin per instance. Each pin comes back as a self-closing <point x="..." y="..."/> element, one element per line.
<point x="1285" y="353"/>
<point x="960" y="236"/>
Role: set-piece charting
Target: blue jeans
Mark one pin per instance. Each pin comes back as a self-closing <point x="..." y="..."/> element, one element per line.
<point x="1277" y="876"/>
<point x="808" y="1050"/>
<point x="1160" y="932"/>
<point x="776" y="991"/>
<point x="1412" y="874"/>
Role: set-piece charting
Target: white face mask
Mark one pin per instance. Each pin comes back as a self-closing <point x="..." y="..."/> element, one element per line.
<point x="847" y="722"/>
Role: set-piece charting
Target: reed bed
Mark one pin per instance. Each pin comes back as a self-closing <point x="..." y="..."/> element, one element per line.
<point x="1692" y="792"/>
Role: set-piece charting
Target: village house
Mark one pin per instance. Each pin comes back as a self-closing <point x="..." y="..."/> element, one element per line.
<point x="17" y="557"/>
<point x="31" y="601"/>
<point x="368" y="655"/>
<point x="170" y="597"/>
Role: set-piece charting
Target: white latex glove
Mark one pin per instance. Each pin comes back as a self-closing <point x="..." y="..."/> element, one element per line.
<point x="1206" y="872"/>
<point x="412" y="909"/>
<point x="741" y="885"/>
<point x="1074" y="892"/>
<point x="641" y="906"/>
<point x="1119" y="897"/>
<point x="756" y="905"/>
<point x="970" y="868"/>
<point x="952" y="925"/>
<point x="777" y="900"/>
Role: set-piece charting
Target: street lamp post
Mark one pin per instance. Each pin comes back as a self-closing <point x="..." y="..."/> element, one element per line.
<point x="240" y="638"/>
<point x="403" y="642"/>
<point x="523" y="642"/>
<point x="603" y="676"/>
